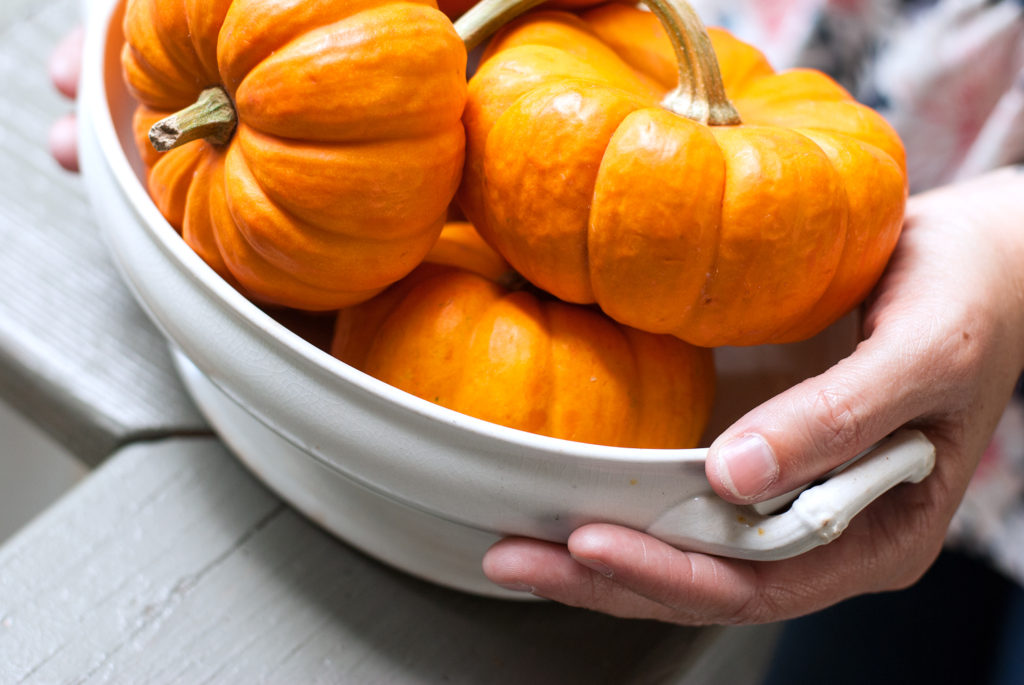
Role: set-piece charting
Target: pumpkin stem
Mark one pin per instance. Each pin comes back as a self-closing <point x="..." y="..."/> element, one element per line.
<point x="700" y="94"/>
<point x="487" y="16"/>
<point x="212" y="117"/>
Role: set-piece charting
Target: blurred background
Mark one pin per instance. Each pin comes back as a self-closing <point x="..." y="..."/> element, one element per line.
<point x="34" y="468"/>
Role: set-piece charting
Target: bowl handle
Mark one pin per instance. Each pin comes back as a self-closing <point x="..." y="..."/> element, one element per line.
<point x="817" y="516"/>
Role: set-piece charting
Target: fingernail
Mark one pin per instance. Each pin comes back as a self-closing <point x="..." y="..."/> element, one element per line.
<point x="518" y="587"/>
<point x="595" y="565"/>
<point x="747" y="466"/>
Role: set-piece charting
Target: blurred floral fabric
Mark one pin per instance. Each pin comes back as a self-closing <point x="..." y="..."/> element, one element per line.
<point x="946" y="73"/>
<point x="949" y="75"/>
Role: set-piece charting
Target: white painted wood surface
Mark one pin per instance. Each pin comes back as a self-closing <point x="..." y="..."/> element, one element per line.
<point x="77" y="355"/>
<point x="34" y="471"/>
<point x="171" y="564"/>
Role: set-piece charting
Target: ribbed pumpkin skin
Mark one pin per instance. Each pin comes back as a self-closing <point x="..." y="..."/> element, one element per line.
<point x="451" y="333"/>
<point x="721" y="235"/>
<point x="349" y="145"/>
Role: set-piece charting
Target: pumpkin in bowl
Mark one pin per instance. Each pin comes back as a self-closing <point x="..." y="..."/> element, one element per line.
<point x="667" y="173"/>
<point x="312" y="147"/>
<point x="461" y="332"/>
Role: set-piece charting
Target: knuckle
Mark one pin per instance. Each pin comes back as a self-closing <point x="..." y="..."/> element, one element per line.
<point x="913" y="565"/>
<point x="765" y="604"/>
<point x="758" y="605"/>
<point x="903" y="547"/>
<point x="836" y="427"/>
<point x="754" y="610"/>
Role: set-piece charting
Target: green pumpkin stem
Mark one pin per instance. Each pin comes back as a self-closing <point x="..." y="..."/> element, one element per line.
<point x="487" y="16"/>
<point x="211" y="117"/>
<point x="700" y="94"/>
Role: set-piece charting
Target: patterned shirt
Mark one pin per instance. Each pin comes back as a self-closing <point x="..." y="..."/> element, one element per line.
<point x="946" y="73"/>
<point x="949" y="76"/>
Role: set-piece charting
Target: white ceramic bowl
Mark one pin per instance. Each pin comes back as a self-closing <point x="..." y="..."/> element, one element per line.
<point x="418" y="486"/>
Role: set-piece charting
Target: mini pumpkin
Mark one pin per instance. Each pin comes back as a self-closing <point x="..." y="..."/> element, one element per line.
<point x="459" y="333"/>
<point x="314" y="145"/>
<point x="634" y="160"/>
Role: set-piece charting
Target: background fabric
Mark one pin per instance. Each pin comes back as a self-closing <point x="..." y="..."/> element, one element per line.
<point x="949" y="74"/>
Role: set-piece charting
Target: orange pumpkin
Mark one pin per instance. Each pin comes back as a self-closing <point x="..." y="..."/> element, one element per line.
<point x="675" y="179"/>
<point x="324" y="146"/>
<point x="454" y="332"/>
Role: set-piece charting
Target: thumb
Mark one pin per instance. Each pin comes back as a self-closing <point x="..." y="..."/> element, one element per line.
<point x="813" y="427"/>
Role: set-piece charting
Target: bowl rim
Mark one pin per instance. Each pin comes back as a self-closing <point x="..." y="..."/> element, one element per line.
<point x="100" y="118"/>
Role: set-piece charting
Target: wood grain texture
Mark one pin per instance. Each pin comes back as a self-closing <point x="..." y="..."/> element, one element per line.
<point x="77" y="355"/>
<point x="171" y="564"/>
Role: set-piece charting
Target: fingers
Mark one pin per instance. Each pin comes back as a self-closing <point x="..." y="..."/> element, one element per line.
<point x="818" y="424"/>
<point x="549" y="570"/>
<point x="65" y="67"/>
<point x="64" y="142"/>
<point x="625" y="573"/>
<point x="690" y="588"/>
<point x="66" y="63"/>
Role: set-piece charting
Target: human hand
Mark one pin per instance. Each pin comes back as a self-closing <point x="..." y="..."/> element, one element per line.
<point x="65" y="67"/>
<point x="944" y="347"/>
